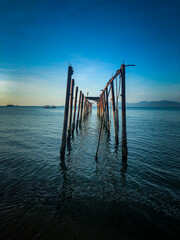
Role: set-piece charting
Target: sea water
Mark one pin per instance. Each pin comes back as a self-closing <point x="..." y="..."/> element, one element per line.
<point x="42" y="197"/>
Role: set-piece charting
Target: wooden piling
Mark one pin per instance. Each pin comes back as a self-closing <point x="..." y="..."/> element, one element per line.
<point x="85" y="106"/>
<point x="74" y="113"/>
<point x="101" y="108"/>
<point x="117" y="116"/>
<point x="70" y="109"/>
<point x="66" y="110"/>
<point x="113" y="107"/>
<point x="116" y="109"/>
<point x="104" y="110"/>
<point x="98" y="109"/>
<point x="107" y="110"/>
<point x="124" y="140"/>
<point x="81" y="112"/>
<point x="79" y="107"/>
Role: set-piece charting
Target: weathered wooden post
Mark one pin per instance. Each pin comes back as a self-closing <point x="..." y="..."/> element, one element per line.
<point x="74" y="114"/>
<point x="97" y="109"/>
<point x="71" y="106"/>
<point x="84" y="111"/>
<point x="79" y="107"/>
<point x="101" y="107"/>
<point x="81" y="112"/>
<point x="113" y="106"/>
<point x="107" y="110"/>
<point x="87" y="108"/>
<point x="124" y="140"/>
<point x="104" y="109"/>
<point x="116" y="109"/>
<point x="66" y="110"/>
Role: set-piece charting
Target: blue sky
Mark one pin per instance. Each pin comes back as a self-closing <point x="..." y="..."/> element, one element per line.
<point x="39" y="38"/>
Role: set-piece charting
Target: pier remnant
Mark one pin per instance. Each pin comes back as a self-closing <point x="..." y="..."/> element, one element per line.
<point x="107" y="112"/>
<point x="79" y="108"/>
<point x="114" y="113"/>
<point x="70" y="123"/>
<point x="81" y="112"/>
<point x="123" y="106"/>
<point x="75" y="103"/>
<point x="66" y="110"/>
<point x="103" y="108"/>
<point x="85" y="107"/>
<point x="71" y="106"/>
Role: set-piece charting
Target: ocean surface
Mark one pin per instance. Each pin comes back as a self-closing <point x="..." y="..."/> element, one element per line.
<point x="44" y="198"/>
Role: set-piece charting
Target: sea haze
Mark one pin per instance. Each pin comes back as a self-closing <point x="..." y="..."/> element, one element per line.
<point x="44" y="198"/>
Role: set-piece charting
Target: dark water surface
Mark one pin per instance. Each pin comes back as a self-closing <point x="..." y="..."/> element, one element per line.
<point x="42" y="198"/>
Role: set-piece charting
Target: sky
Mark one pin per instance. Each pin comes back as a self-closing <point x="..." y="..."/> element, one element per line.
<point x="40" y="38"/>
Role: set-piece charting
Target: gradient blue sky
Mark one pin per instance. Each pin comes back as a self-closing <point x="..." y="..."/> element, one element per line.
<point x="39" y="38"/>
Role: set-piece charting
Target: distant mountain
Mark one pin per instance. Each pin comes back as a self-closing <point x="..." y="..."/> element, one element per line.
<point x="163" y="103"/>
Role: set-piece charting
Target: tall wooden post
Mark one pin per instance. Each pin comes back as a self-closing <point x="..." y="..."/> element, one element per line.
<point x="101" y="108"/>
<point x="116" y="110"/>
<point x="66" y="110"/>
<point x="81" y="112"/>
<point x="124" y="141"/>
<point x="79" y="107"/>
<point x="97" y="108"/>
<point x="107" y="110"/>
<point x="104" y="109"/>
<point x="71" y="106"/>
<point x="113" y="106"/>
<point x="85" y="103"/>
<point x="74" y="114"/>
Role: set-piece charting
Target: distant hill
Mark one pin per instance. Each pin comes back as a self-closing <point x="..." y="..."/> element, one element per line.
<point x="163" y="103"/>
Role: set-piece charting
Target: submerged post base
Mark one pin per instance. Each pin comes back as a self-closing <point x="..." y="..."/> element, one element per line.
<point x="124" y="149"/>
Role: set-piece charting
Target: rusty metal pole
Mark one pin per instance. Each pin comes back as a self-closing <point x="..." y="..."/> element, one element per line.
<point x="113" y="106"/>
<point x="124" y="140"/>
<point x="81" y="112"/>
<point x="66" y="110"/>
<point x="75" y="103"/>
<point x="70" y="109"/>
<point x="79" y="107"/>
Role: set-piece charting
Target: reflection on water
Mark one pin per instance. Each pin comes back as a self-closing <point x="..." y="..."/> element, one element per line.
<point x="43" y="197"/>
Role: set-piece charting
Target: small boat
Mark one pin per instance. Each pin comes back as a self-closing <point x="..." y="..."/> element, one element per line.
<point x="10" y="105"/>
<point x="47" y="106"/>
